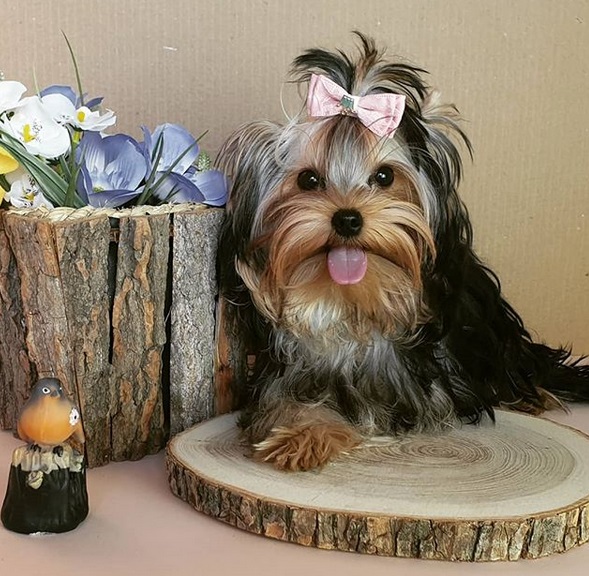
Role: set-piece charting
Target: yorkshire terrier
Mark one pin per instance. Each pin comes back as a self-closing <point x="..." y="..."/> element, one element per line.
<point x="347" y="260"/>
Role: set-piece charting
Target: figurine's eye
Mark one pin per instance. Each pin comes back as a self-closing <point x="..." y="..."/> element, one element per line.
<point x="383" y="177"/>
<point x="310" y="180"/>
<point x="45" y="390"/>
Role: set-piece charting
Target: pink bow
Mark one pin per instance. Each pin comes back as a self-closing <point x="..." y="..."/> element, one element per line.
<point x="380" y="113"/>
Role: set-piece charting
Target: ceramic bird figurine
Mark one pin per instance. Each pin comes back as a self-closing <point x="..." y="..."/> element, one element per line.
<point x="49" y="418"/>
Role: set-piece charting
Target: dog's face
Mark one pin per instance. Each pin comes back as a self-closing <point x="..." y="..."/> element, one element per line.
<point x="345" y="235"/>
<point x="335" y="226"/>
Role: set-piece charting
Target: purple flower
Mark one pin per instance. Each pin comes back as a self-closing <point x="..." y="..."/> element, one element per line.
<point x="69" y="93"/>
<point x="112" y="169"/>
<point x="179" y="180"/>
<point x="66" y="91"/>
<point x="207" y="187"/>
<point x="176" y="141"/>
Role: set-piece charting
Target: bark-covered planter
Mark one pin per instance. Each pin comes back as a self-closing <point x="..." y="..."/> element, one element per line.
<point x="121" y="307"/>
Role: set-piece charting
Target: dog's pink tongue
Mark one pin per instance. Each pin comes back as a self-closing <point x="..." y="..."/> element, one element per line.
<point x="346" y="265"/>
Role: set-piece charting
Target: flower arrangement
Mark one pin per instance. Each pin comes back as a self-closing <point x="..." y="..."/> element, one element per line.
<point x="54" y="152"/>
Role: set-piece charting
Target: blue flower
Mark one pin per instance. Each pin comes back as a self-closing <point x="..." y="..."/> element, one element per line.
<point x="112" y="169"/>
<point x="176" y="141"/>
<point x="177" y="179"/>
<point x="211" y="184"/>
<point x="206" y="187"/>
<point x="66" y="91"/>
<point x="69" y="93"/>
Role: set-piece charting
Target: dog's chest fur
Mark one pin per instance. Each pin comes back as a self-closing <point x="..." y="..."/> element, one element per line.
<point x="371" y="380"/>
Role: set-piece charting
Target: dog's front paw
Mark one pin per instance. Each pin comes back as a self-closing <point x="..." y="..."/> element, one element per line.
<point x="305" y="447"/>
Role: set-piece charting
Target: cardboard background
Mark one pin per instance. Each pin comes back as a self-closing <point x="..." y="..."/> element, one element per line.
<point x="518" y="71"/>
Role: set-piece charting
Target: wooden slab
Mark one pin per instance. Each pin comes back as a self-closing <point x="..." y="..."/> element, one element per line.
<point x="517" y="489"/>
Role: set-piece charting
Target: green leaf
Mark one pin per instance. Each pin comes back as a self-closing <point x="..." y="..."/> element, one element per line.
<point x="155" y="160"/>
<point x="65" y="168"/>
<point x="150" y="188"/>
<point x="71" y="198"/>
<point x="76" y="69"/>
<point x="54" y="187"/>
<point x="165" y="174"/>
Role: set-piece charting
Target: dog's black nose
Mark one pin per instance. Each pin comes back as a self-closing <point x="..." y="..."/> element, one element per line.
<point x="347" y="222"/>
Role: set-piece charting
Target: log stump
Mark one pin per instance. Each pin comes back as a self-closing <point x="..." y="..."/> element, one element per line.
<point x="120" y="305"/>
<point x="516" y="489"/>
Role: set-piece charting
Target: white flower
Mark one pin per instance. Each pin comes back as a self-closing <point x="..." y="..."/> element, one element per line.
<point x="35" y="127"/>
<point x="24" y="191"/>
<point x="64" y="112"/>
<point x="87" y="119"/>
<point x="10" y="94"/>
<point x="59" y="107"/>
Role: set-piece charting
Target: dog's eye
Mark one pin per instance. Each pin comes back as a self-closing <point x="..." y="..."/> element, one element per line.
<point x="310" y="180"/>
<point x="383" y="177"/>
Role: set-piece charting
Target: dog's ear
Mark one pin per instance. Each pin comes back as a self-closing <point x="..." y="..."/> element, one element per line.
<point x="436" y="146"/>
<point x="444" y="136"/>
<point x="249" y="157"/>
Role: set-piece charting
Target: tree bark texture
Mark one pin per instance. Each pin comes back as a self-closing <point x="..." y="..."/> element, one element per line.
<point x="16" y="369"/>
<point x="194" y="297"/>
<point x="519" y="489"/>
<point x="87" y="297"/>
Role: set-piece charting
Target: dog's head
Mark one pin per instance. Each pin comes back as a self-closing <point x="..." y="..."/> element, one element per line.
<point x="334" y="226"/>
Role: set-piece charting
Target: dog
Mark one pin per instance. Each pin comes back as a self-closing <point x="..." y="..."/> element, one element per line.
<point x="346" y="259"/>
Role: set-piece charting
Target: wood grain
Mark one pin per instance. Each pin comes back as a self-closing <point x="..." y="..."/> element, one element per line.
<point x="517" y="489"/>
